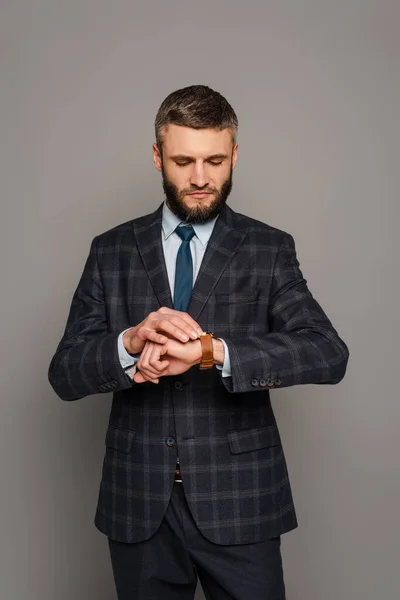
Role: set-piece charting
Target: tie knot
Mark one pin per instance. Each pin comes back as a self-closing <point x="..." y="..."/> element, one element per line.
<point x="185" y="233"/>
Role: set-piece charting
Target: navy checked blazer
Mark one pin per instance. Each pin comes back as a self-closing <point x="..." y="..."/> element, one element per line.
<point x="250" y="291"/>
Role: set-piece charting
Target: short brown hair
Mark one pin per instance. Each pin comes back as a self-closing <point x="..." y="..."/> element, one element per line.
<point x="196" y="106"/>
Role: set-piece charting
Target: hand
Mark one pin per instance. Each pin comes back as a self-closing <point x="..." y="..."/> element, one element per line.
<point x="171" y="358"/>
<point x="171" y="323"/>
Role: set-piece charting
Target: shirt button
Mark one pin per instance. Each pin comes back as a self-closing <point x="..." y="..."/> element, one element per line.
<point x="170" y="441"/>
<point x="178" y="385"/>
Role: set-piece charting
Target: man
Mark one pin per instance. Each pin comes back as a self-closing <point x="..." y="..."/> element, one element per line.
<point x="194" y="480"/>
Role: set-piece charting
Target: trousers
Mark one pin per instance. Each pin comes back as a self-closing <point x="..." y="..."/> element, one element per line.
<point x="168" y="565"/>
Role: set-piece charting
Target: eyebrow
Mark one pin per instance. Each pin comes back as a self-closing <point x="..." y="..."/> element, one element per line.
<point x="212" y="157"/>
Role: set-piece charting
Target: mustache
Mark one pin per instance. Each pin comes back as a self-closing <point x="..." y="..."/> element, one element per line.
<point x="197" y="190"/>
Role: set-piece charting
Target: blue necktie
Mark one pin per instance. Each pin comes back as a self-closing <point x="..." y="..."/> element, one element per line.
<point x="184" y="269"/>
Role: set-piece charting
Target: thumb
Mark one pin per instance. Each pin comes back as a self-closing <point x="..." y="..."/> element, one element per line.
<point x="139" y="378"/>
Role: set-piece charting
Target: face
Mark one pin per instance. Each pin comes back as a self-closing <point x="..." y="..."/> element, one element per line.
<point x="196" y="165"/>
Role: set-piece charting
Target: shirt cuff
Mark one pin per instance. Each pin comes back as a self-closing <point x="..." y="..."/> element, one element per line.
<point x="226" y="366"/>
<point x="128" y="361"/>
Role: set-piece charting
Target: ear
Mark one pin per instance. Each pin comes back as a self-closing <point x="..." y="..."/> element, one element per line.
<point x="157" y="159"/>
<point x="234" y="155"/>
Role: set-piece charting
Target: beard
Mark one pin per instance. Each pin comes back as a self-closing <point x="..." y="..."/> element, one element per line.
<point x="197" y="214"/>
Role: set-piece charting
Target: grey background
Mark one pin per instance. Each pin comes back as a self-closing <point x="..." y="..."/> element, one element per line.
<point x="316" y="88"/>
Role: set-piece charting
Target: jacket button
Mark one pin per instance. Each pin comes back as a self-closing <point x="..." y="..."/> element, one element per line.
<point x="263" y="383"/>
<point x="270" y="382"/>
<point x="254" y="382"/>
<point x="178" y="385"/>
<point x="278" y="381"/>
<point x="170" y="441"/>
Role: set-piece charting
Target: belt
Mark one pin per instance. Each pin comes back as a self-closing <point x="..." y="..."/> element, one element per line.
<point x="178" y="476"/>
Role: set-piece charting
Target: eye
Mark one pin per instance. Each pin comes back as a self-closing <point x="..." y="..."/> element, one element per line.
<point x="182" y="164"/>
<point x="215" y="163"/>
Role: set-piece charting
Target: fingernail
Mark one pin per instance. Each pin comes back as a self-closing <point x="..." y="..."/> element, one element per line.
<point x="194" y="334"/>
<point x="199" y="331"/>
<point x="184" y="337"/>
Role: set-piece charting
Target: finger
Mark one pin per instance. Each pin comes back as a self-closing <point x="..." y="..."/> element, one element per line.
<point x="184" y="316"/>
<point x="140" y="378"/>
<point x="155" y="361"/>
<point x="144" y="365"/>
<point x="143" y="355"/>
<point x="150" y="363"/>
<point x="152" y="335"/>
<point x="152" y="373"/>
<point x="143" y="373"/>
<point x="177" y="328"/>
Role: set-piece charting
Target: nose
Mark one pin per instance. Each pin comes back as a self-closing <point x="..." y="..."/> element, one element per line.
<point x="199" y="177"/>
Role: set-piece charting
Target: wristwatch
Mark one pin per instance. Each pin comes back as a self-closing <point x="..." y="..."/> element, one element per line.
<point x="207" y="359"/>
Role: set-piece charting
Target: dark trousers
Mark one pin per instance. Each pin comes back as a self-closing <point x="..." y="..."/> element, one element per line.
<point x="167" y="565"/>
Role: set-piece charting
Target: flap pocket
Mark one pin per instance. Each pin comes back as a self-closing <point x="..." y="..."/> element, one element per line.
<point x="119" y="439"/>
<point x="245" y="440"/>
<point x="236" y="298"/>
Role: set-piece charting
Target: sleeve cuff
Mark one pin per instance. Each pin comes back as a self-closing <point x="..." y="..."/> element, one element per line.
<point x="226" y="366"/>
<point x="127" y="360"/>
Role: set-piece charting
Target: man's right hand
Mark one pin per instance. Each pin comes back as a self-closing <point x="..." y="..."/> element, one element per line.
<point x="158" y="327"/>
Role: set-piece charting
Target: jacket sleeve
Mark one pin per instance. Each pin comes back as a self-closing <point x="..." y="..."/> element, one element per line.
<point x="86" y="360"/>
<point x="301" y="347"/>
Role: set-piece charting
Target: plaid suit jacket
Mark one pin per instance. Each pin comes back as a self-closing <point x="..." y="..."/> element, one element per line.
<point x="250" y="292"/>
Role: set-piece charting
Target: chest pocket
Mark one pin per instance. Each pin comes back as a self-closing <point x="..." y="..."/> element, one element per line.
<point x="228" y="311"/>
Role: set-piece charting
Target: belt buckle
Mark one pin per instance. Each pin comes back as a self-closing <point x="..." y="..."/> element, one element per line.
<point x="178" y="476"/>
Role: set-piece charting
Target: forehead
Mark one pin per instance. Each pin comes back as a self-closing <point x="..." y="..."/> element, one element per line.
<point x="196" y="142"/>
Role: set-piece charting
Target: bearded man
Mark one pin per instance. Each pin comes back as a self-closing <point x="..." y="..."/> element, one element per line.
<point x="190" y="316"/>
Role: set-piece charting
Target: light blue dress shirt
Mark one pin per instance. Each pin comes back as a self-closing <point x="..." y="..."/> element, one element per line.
<point x="171" y="243"/>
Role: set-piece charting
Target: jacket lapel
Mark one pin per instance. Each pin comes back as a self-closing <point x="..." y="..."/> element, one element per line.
<point x="225" y="240"/>
<point x="148" y="231"/>
<point x="227" y="236"/>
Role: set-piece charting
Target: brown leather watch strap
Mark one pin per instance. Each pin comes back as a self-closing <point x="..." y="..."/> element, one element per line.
<point x="207" y="360"/>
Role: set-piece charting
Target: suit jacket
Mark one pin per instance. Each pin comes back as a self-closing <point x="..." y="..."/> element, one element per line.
<point x="250" y="292"/>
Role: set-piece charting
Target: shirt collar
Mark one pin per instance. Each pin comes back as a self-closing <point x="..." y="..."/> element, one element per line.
<point x="170" y="222"/>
